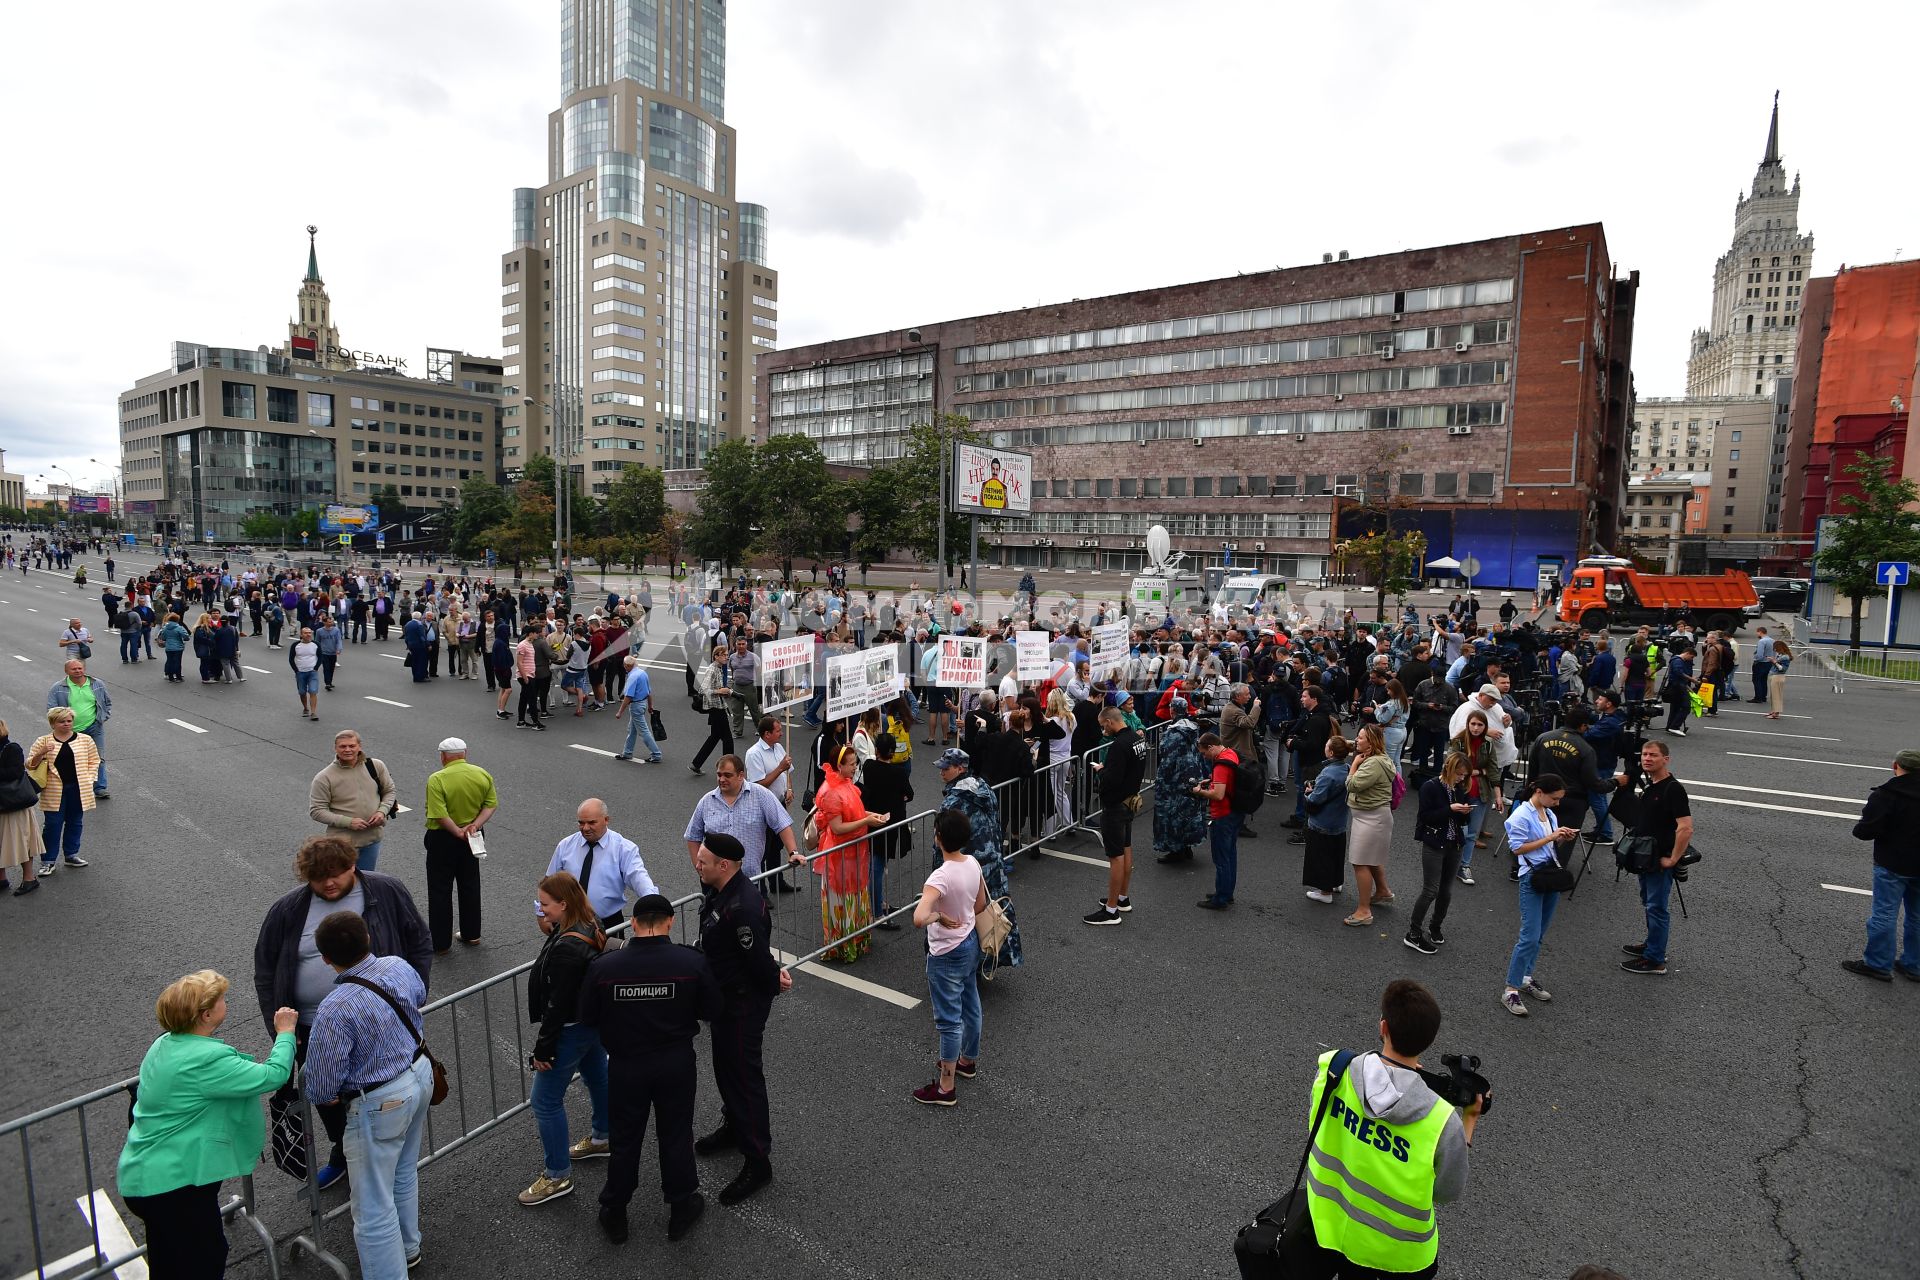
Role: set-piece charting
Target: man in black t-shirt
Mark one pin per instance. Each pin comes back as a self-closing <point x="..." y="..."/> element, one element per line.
<point x="1663" y="814"/>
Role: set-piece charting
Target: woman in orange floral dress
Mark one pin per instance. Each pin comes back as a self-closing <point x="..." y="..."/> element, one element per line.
<point x="843" y="820"/>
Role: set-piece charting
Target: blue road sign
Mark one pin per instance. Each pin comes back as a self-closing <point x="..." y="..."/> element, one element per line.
<point x="1893" y="573"/>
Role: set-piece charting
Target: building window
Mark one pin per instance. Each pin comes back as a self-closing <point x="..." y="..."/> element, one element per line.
<point x="1062" y="488"/>
<point x="1103" y="488"/>
<point x="1257" y="486"/>
<point x="1413" y="484"/>
<point x="1150" y="488"/>
<point x="1733" y="473"/>
<point x="283" y="404"/>
<point x="1083" y="488"/>
<point x="1129" y="488"/>
<point x="1285" y="487"/>
<point x="1176" y="486"/>
<point x="1479" y="484"/>
<point x="320" y="409"/>
<point x="1203" y="486"/>
<point x="1316" y="486"/>
<point x="236" y="400"/>
<point x="1229" y="486"/>
<point x="1446" y="484"/>
<point x="1733" y="455"/>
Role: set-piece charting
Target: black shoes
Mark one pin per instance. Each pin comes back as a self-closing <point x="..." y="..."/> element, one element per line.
<point x="752" y="1176"/>
<point x="720" y="1139"/>
<point x="1211" y="904"/>
<point x="1419" y="943"/>
<point x="1911" y="975"/>
<point x="685" y="1214"/>
<point x="1436" y="937"/>
<point x="1102" y="914"/>
<point x="613" y="1223"/>
<point x="1866" y="970"/>
<point x="1635" y="949"/>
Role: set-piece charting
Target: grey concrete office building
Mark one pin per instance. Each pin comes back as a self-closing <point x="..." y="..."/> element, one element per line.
<point x="637" y="289"/>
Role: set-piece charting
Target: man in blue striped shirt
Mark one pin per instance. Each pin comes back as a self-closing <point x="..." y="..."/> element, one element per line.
<point x="366" y="1051"/>
<point x="744" y="810"/>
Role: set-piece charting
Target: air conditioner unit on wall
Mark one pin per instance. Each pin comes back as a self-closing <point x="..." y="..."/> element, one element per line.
<point x="1459" y="346"/>
<point x="1386" y="353"/>
<point x="1346" y="491"/>
<point x="1459" y="431"/>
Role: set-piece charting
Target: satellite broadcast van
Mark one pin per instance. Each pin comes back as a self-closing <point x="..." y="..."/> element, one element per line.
<point x="1241" y="594"/>
<point x="1163" y="587"/>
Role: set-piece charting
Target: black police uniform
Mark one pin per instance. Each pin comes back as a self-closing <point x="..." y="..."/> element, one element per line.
<point x="734" y="928"/>
<point x="647" y="999"/>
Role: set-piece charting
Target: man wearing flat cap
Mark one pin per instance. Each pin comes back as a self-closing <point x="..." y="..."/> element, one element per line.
<point x="460" y="801"/>
<point x="1892" y="821"/>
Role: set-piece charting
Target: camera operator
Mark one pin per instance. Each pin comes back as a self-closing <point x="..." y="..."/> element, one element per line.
<point x="1605" y="735"/>
<point x="1663" y="814"/>
<point x="1389" y="1150"/>
<point x="1678" y="689"/>
<point x="1567" y="752"/>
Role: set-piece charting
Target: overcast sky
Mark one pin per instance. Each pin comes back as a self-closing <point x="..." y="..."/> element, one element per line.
<point x="921" y="159"/>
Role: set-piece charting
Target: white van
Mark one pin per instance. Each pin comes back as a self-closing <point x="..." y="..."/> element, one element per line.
<point x="1241" y="594"/>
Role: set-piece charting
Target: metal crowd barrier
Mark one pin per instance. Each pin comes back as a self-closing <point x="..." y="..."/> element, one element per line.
<point x="41" y="1156"/>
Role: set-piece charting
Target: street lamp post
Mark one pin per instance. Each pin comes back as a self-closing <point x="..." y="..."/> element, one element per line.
<point x="562" y="476"/>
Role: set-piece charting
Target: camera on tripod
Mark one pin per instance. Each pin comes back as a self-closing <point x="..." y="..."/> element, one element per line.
<point x="1460" y="1082"/>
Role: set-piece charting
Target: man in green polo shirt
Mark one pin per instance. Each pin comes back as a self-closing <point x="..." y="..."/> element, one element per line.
<point x="92" y="708"/>
<point x="460" y="801"/>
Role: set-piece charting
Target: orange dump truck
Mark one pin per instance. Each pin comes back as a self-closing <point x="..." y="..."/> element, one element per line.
<point x="1604" y="591"/>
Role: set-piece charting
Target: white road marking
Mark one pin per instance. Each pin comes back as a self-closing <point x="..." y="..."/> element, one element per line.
<point x="851" y="983"/>
<point x="190" y="728"/>
<point x="1075" y="857"/>
<point x="1777" y="808"/>
<point x="581" y="746"/>
<point x="1783" y="715"/>
<point x="33" y="610"/>
<point x="112" y="1232"/>
<point x="390" y="702"/>
<point x="1841" y="764"/>
<point x="1763" y="733"/>
<point x="403" y="808"/>
<point x="258" y="670"/>
<point x="1773" y="791"/>
<point x="397" y="657"/>
<point x="21" y="657"/>
<point x="1847" y="888"/>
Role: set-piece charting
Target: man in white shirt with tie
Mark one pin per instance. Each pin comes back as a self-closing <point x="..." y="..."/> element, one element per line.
<point x="606" y="863"/>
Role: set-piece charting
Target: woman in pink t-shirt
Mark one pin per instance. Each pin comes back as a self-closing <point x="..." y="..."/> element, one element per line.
<point x="954" y="894"/>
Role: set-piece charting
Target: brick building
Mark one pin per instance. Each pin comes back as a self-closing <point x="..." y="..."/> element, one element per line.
<point x="1482" y="390"/>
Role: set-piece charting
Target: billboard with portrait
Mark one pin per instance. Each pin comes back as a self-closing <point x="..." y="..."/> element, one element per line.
<point x="991" y="482"/>
<point x="340" y="517"/>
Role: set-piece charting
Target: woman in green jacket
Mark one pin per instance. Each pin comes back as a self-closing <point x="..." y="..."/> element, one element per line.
<point x="196" y="1122"/>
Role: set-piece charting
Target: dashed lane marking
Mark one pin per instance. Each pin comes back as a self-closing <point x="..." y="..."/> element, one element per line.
<point x="581" y="746"/>
<point x="21" y="657"/>
<point x="850" y="982"/>
<point x="111" y="1231"/>
<point x="390" y="702"/>
<point x="1847" y="888"/>
<point x="1839" y="764"/>
<point x="1783" y="715"/>
<point x="1772" y="791"/>
<point x="190" y="728"/>
<point x="31" y="610"/>
<point x="1764" y="733"/>
<point x="395" y="656"/>
<point x="1776" y="808"/>
<point x="1074" y="857"/>
<point x="258" y="670"/>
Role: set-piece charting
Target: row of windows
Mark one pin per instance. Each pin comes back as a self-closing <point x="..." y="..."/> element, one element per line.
<point x="411" y="491"/>
<point x="626" y="308"/>
<point x="619" y="282"/>
<point x="404" y="469"/>
<point x="618" y="330"/>
<point x="1409" y="484"/>
<point x="1390" y="417"/>
<point x="766" y="322"/>
<point x="1480" y="293"/>
<point x="621" y="353"/>
<point x="424" y="451"/>
<point x="830" y="375"/>
<point x="1241" y="524"/>
<point x="417" y="410"/>
<point x="768" y="303"/>
<point x="1359" y="381"/>
<point x="414" y="429"/>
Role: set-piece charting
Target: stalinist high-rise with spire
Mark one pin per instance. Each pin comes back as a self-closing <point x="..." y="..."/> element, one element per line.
<point x="636" y="293"/>
<point x="1757" y="285"/>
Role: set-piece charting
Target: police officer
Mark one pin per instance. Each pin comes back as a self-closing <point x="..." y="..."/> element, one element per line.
<point x="734" y="928"/>
<point x="647" y="1000"/>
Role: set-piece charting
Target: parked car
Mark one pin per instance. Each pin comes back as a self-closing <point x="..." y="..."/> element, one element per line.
<point x="1781" y="595"/>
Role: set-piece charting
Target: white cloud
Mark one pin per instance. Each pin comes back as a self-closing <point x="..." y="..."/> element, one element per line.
<point x="919" y="161"/>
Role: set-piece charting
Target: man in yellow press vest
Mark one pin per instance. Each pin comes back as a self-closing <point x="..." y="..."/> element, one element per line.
<point x="1388" y="1152"/>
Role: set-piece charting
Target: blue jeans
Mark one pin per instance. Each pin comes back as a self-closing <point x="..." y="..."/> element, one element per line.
<point x="640" y="727"/>
<point x="1223" y="837"/>
<point x="1597" y="805"/>
<point x="1475" y="821"/>
<point x="67" y="821"/>
<point x="953" y="987"/>
<point x="815" y="703"/>
<point x="876" y="876"/>
<point x="98" y="732"/>
<point x="1536" y="913"/>
<point x="173" y="664"/>
<point x="368" y="859"/>
<point x="307" y="682"/>
<point x="1890" y="893"/>
<point x="383" y="1149"/>
<point x="1656" y="887"/>
<point x="129" y="646"/>
<point x="579" y="1050"/>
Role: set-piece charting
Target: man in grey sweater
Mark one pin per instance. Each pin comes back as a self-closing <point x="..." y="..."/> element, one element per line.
<point x="353" y="797"/>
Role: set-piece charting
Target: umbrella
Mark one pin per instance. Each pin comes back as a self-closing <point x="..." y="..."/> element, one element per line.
<point x="1444" y="562"/>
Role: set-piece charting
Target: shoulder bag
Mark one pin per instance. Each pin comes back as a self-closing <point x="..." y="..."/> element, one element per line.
<point x="420" y="1049"/>
<point x="1551" y="877"/>
<point x="994" y="926"/>
<point x="1257" y="1246"/>
<point x="393" y="809"/>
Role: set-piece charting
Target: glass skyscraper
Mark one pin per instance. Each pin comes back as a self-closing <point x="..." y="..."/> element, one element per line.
<point x="636" y="293"/>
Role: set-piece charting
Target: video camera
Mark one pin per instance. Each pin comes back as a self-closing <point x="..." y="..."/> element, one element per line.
<point x="1461" y="1082"/>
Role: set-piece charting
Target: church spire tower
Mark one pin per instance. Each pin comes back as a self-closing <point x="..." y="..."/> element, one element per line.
<point x="311" y="334"/>
<point x="1757" y="286"/>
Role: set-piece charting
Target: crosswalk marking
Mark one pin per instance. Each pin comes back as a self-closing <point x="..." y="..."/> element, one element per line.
<point x="581" y="746"/>
<point x="1847" y="888"/>
<point x="390" y="702"/>
<point x="190" y="728"/>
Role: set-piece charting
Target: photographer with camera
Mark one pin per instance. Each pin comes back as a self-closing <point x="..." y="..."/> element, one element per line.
<point x="1389" y="1144"/>
<point x="1606" y="735"/>
<point x="1567" y="752"/>
<point x="1664" y="822"/>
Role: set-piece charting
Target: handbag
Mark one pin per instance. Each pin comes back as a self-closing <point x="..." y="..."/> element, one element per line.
<point x="1634" y="854"/>
<point x="420" y="1049"/>
<point x="86" y="651"/>
<point x="810" y="834"/>
<point x="1256" y="1246"/>
<point x="655" y="723"/>
<point x="21" y="793"/>
<point x="994" y="925"/>
<point x="287" y="1133"/>
<point x="1551" y="877"/>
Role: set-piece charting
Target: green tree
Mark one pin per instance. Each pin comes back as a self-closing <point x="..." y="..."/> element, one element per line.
<point x="540" y="471"/>
<point x="263" y="526"/>
<point x="636" y="502"/>
<point x="670" y="542"/>
<point x="527" y="534"/>
<point x="915" y="481"/>
<point x="483" y="504"/>
<point x="799" y="509"/>
<point x="1879" y="523"/>
<point x="1388" y="560"/>
<point x="880" y="503"/>
<point x="721" y="529"/>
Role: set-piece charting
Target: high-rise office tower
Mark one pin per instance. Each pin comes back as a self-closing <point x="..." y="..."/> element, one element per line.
<point x="636" y="294"/>
<point x="1757" y="287"/>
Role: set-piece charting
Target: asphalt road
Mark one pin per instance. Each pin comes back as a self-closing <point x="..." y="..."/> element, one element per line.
<point x="1143" y="1089"/>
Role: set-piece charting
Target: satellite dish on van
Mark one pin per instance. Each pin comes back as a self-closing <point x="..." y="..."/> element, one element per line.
<point x="1158" y="544"/>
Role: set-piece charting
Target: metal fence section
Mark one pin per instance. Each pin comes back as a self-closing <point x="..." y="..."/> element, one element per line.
<point x="72" y="1226"/>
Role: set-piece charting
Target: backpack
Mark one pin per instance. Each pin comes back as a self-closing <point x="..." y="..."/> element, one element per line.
<point x="1249" y="787"/>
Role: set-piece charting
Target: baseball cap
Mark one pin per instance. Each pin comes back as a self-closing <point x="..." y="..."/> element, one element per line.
<point x="953" y="758"/>
<point x="654" y="906"/>
<point x="450" y="745"/>
<point x="1490" y="691"/>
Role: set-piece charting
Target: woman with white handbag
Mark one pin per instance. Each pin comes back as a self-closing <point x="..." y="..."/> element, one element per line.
<point x="954" y="897"/>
